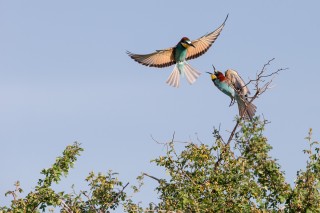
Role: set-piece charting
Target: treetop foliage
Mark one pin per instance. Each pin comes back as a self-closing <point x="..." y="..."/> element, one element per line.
<point x="235" y="176"/>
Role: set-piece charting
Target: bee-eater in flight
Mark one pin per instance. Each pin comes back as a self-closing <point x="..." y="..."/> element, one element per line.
<point x="183" y="51"/>
<point x="232" y="85"/>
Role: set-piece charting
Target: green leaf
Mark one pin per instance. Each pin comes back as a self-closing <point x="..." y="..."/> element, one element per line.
<point x="282" y="199"/>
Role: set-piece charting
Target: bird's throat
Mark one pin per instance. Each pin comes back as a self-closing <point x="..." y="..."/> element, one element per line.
<point x="185" y="45"/>
<point x="180" y="53"/>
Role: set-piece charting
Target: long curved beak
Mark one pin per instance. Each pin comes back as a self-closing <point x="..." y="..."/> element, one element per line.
<point x="192" y="45"/>
<point x="214" y="68"/>
<point x="209" y="73"/>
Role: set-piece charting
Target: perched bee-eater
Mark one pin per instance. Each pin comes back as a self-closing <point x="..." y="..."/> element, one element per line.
<point x="232" y="85"/>
<point x="183" y="51"/>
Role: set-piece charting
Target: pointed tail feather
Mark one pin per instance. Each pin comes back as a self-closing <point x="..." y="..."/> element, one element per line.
<point x="246" y="109"/>
<point x="191" y="73"/>
<point x="183" y="69"/>
<point x="174" y="78"/>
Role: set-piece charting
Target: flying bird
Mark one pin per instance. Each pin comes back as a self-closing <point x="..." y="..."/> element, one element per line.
<point x="178" y="55"/>
<point x="232" y="85"/>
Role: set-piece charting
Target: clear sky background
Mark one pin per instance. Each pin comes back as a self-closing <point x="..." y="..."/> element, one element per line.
<point x="65" y="77"/>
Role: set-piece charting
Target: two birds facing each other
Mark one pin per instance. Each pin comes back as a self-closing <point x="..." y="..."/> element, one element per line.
<point x="231" y="84"/>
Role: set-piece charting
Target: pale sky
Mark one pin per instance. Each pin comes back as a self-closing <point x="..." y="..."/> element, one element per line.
<point x="65" y="77"/>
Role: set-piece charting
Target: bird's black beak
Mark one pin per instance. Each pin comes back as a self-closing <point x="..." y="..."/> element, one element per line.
<point x="210" y="73"/>
<point x="192" y="45"/>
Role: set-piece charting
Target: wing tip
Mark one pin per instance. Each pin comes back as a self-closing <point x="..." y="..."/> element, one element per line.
<point x="129" y="53"/>
<point x="226" y="18"/>
<point x="224" y="22"/>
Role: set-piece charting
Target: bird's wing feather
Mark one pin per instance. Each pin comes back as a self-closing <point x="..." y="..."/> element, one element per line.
<point x="237" y="81"/>
<point x="160" y="58"/>
<point x="204" y="43"/>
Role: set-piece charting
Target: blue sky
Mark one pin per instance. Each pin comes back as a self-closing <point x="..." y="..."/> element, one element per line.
<point x="65" y="77"/>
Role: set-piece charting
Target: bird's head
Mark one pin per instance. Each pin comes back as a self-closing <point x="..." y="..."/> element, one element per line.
<point x="215" y="74"/>
<point x="185" y="42"/>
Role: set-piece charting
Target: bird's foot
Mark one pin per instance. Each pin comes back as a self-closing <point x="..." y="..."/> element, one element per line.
<point x="232" y="102"/>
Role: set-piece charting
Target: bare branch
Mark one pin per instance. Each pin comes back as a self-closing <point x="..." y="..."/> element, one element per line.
<point x="228" y="143"/>
<point x="260" y="78"/>
<point x="166" y="143"/>
<point x="198" y="139"/>
<point x="150" y="176"/>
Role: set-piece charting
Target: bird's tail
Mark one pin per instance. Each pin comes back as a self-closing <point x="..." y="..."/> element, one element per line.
<point x="247" y="110"/>
<point x="174" y="78"/>
<point x="190" y="73"/>
<point x="183" y="69"/>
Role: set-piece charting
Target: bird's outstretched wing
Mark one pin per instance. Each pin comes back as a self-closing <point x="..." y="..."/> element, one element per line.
<point x="237" y="82"/>
<point x="160" y="58"/>
<point x="204" y="43"/>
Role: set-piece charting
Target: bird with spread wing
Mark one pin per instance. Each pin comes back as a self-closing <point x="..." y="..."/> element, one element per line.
<point x="232" y="85"/>
<point x="183" y="51"/>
